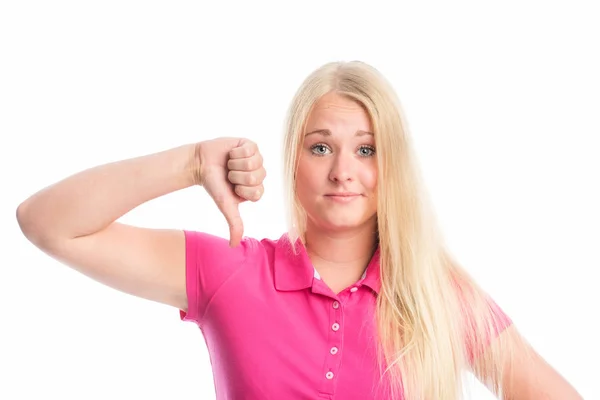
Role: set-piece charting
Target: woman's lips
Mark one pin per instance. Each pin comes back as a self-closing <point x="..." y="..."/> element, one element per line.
<point x="342" y="197"/>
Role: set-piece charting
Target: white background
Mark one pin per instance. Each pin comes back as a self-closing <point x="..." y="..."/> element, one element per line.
<point x="502" y="100"/>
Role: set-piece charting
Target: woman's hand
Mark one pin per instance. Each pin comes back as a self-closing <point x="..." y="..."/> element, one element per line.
<point x="231" y="170"/>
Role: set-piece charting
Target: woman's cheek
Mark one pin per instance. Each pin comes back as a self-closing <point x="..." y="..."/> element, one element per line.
<point x="369" y="177"/>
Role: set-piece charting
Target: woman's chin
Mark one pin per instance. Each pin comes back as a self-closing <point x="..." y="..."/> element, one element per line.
<point x="342" y="224"/>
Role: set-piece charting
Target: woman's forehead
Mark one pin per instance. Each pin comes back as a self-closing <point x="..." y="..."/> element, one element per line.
<point x="334" y="111"/>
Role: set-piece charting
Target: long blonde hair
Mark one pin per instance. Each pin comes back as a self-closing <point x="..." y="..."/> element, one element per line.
<point x="433" y="319"/>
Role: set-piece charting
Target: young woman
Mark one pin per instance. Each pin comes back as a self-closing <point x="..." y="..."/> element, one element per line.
<point x="359" y="300"/>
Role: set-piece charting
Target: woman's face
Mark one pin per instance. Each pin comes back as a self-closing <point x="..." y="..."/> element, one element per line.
<point x="336" y="179"/>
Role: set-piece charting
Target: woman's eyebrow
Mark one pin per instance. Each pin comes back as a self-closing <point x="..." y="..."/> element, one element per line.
<point x="327" y="132"/>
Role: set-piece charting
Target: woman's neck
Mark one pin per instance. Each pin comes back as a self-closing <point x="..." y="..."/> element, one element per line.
<point x="340" y="258"/>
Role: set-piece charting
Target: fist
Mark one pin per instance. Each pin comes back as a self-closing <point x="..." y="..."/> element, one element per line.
<point x="231" y="171"/>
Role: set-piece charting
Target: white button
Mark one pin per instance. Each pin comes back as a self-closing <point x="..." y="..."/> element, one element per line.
<point x="329" y="375"/>
<point x="336" y="305"/>
<point x="333" y="350"/>
<point x="335" y="326"/>
<point x="354" y="289"/>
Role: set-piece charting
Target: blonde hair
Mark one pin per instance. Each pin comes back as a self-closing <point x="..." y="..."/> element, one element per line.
<point x="434" y="321"/>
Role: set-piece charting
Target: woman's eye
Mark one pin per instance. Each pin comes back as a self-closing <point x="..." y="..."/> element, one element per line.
<point x="366" y="151"/>
<point x="319" y="149"/>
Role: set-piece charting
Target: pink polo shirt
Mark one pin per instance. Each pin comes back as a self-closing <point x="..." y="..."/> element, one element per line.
<point x="273" y="329"/>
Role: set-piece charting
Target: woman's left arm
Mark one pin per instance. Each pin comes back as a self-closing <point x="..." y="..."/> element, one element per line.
<point x="530" y="377"/>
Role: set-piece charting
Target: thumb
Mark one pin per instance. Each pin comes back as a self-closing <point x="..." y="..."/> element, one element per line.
<point x="234" y="220"/>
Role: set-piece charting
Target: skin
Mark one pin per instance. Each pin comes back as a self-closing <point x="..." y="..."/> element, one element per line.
<point x="534" y="379"/>
<point x="339" y="155"/>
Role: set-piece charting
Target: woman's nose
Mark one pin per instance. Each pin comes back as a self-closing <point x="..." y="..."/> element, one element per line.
<point x="342" y="168"/>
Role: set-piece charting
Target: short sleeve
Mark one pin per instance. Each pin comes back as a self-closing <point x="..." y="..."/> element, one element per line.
<point x="480" y="339"/>
<point x="209" y="263"/>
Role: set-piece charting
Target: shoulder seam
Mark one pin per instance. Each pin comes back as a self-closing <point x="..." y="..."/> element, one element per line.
<point x="252" y="245"/>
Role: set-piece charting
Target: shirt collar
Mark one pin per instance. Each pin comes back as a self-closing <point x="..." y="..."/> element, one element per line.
<point x="294" y="271"/>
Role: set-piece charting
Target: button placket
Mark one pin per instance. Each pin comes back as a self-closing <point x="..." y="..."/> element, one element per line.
<point x="335" y="327"/>
<point x="334" y="347"/>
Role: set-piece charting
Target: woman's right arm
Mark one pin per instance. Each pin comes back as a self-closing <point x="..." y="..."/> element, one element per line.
<point x="74" y="220"/>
